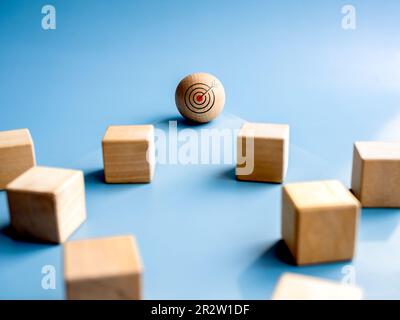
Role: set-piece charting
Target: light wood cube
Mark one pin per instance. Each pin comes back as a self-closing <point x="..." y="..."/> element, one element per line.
<point x="319" y="221"/>
<point x="103" y="269"/>
<point x="17" y="154"/>
<point x="376" y="173"/>
<point x="299" y="287"/>
<point x="128" y="154"/>
<point x="262" y="152"/>
<point x="47" y="204"/>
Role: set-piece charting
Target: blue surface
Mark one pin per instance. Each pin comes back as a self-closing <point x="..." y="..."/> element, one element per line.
<point x="201" y="233"/>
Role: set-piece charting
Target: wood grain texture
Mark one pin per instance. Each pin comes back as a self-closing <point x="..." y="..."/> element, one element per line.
<point x="129" y="154"/>
<point x="299" y="287"/>
<point x="266" y="147"/>
<point x="103" y="268"/>
<point x="17" y="154"/>
<point x="47" y="204"/>
<point x="200" y="97"/>
<point x="319" y="221"/>
<point x="376" y="173"/>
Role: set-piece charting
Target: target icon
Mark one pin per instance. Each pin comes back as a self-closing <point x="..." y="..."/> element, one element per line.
<point x="199" y="97"/>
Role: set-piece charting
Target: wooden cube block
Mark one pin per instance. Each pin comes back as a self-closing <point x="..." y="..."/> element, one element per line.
<point x="103" y="269"/>
<point x="17" y="154"/>
<point x="47" y="204"/>
<point x="376" y="173"/>
<point x="262" y="152"/>
<point x="128" y="154"/>
<point x="298" y="287"/>
<point x="319" y="221"/>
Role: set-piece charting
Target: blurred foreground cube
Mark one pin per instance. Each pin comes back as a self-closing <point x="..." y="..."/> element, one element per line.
<point x="103" y="269"/>
<point x="376" y="173"/>
<point x="319" y="221"/>
<point x="298" y="287"/>
<point x="128" y="154"/>
<point x="47" y="204"/>
<point x="262" y="152"/>
<point x="17" y="154"/>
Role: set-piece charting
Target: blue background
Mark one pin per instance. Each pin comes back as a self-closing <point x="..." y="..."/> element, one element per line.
<point x="201" y="233"/>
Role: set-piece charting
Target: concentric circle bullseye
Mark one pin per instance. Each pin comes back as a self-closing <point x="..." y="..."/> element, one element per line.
<point x="199" y="98"/>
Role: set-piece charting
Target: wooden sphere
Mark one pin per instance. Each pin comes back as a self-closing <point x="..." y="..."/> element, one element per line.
<point x="200" y="97"/>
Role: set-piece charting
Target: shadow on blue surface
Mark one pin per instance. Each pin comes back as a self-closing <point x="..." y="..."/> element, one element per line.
<point x="223" y="122"/>
<point x="11" y="243"/>
<point x="27" y="257"/>
<point x="95" y="177"/>
<point x="378" y="224"/>
<point x="226" y="181"/>
<point x="8" y="231"/>
<point x="260" y="278"/>
<point x="94" y="180"/>
<point x="181" y="123"/>
<point x="229" y="174"/>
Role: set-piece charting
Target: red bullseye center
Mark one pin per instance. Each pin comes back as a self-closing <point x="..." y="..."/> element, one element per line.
<point x="199" y="98"/>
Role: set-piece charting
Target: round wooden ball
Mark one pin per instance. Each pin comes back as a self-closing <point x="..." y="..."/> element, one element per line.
<point x="200" y="97"/>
